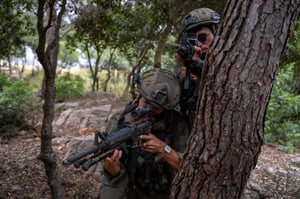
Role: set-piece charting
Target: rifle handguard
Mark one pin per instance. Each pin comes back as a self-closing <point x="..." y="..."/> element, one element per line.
<point x="107" y="144"/>
<point x="78" y="156"/>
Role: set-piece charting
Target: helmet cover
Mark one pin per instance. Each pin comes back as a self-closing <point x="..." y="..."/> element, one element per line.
<point x="200" y="17"/>
<point x="161" y="88"/>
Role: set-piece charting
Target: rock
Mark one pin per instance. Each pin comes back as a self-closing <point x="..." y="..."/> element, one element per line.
<point x="33" y="157"/>
<point x="16" y="188"/>
<point x="63" y="117"/>
<point x="296" y="161"/>
<point x="254" y="191"/>
<point x="21" y="166"/>
<point x="59" y="140"/>
<point x="22" y="132"/>
<point x="80" y="144"/>
<point x="57" y="132"/>
<point x="72" y="104"/>
<point x="66" y="105"/>
<point x="95" y="117"/>
<point x="270" y="170"/>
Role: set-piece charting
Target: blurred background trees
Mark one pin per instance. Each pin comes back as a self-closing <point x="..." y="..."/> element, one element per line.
<point x="104" y="43"/>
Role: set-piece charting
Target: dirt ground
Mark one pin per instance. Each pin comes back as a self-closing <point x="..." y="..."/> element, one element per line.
<point x="22" y="175"/>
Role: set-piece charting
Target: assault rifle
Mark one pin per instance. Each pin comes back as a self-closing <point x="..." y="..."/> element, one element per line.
<point x="186" y="51"/>
<point x="105" y="144"/>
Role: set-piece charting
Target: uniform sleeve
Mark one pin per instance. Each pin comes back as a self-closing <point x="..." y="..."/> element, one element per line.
<point x="113" y="123"/>
<point x="116" y="181"/>
<point x="107" y="179"/>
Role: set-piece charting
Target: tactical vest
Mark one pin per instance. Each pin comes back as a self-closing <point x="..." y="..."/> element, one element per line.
<point x="188" y="99"/>
<point x="150" y="172"/>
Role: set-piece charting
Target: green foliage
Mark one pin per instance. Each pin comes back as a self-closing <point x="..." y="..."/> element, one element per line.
<point x="68" y="56"/>
<point x="117" y="87"/>
<point x="15" y="102"/>
<point x="15" y="25"/>
<point x="69" y="86"/>
<point x="34" y="78"/>
<point x="283" y="115"/>
<point x="292" y="54"/>
<point x="4" y="81"/>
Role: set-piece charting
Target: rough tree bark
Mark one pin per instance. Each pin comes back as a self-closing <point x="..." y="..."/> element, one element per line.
<point x="47" y="52"/>
<point x="235" y="88"/>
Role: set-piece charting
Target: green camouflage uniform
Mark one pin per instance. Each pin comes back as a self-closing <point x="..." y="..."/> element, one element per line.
<point x="191" y="24"/>
<point x="138" y="180"/>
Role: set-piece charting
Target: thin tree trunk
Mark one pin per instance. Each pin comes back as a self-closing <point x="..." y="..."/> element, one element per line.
<point x="47" y="52"/>
<point x="93" y="73"/>
<point x="9" y="63"/>
<point x="161" y="45"/>
<point x="109" y="69"/>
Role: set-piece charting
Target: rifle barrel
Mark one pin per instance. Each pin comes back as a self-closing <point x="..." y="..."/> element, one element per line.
<point x="87" y="164"/>
<point x="78" y="156"/>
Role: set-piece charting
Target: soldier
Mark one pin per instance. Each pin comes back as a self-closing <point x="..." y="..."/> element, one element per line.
<point x="147" y="171"/>
<point x="202" y="23"/>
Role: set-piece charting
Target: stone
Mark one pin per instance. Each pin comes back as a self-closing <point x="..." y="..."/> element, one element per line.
<point x="296" y="161"/>
<point x="63" y="117"/>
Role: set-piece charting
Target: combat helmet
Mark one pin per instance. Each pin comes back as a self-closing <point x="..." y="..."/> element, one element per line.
<point x="200" y="17"/>
<point x="161" y="88"/>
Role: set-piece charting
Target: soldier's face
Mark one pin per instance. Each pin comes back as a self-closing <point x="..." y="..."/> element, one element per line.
<point x="205" y="38"/>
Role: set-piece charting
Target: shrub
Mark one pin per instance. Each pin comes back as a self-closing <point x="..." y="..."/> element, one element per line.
<point x="15" y="102"/>
<point x="282" y="124"/>
<point x="68" y="86"/>
<point x="4" y="81"/>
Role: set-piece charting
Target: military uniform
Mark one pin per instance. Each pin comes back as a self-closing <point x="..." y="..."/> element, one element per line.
<point x="188" y="99"/>
<point x="191" y="24"/>
<point x="145" y="175"/>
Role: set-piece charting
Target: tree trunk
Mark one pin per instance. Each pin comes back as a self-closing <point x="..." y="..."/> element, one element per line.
<point x="234" y="92"/>
<point x="176" y="14"/>
<point x="9" y="63"/>
<point x="94" y="72"/>
<point x="47" y="52"/>
<point x="130" y="85"/>
<point x="161" y="45"/>
<point x="137" y="69"/>
<point x="112" y="52"/>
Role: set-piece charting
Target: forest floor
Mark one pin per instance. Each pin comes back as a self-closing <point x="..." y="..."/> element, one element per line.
<point x="22" y="174"/>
